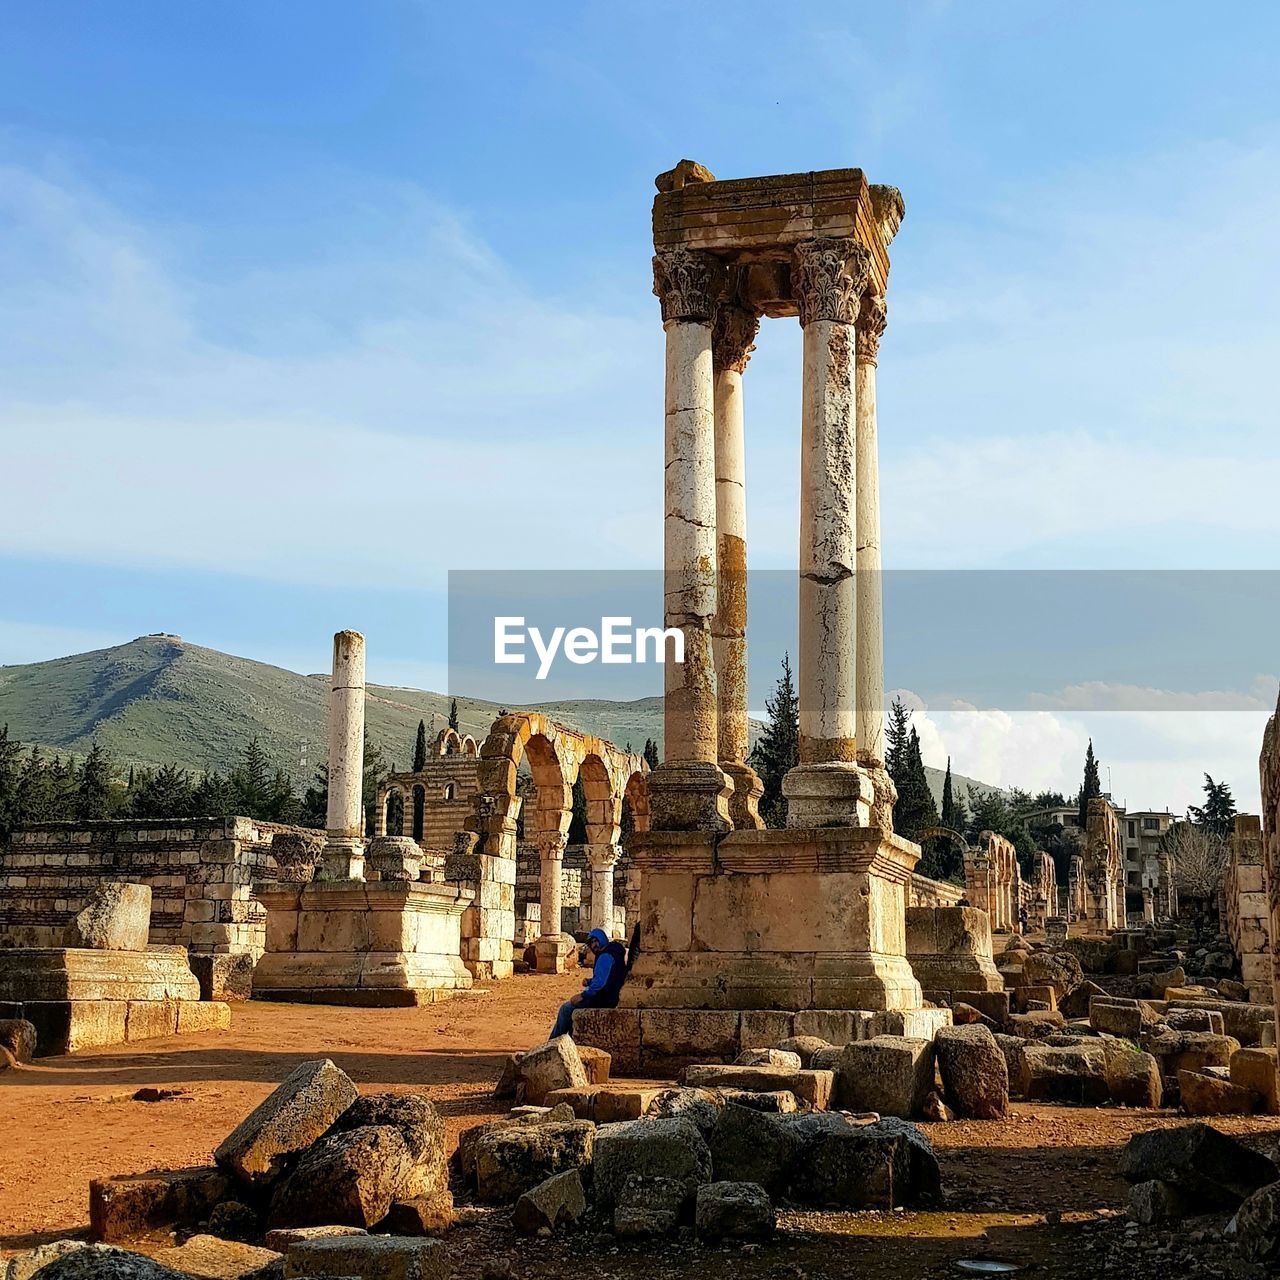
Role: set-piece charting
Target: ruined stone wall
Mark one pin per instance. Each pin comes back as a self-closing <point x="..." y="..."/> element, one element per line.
<point x="924" y="892"/>
<point x="1247" y="908"/>
<point x="575" y="886"/>
<point x="448" y="784"/>
<point x="1269" y="771"/>
<point x="200" y="872"/>
<point x="1103" y="868"/>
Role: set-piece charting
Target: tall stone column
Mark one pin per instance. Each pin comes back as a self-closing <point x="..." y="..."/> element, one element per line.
<point x="689" y="790"/>
<point x="344" y="836"/>
<point x="553" y="947"/>
<point x="732" y="338"/>
<point x="602" y="859"/>
<point x="828" y="788"/>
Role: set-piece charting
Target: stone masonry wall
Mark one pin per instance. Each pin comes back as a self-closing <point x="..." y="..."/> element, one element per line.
<point x="1269" y="771"/>
<point x="1247" y="909"/>
<point x="924" y="892"/>
<point x="200" y="871"/>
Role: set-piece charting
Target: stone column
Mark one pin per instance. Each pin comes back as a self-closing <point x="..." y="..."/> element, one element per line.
<point x="344" y="837"/>
<point x="732" y="338"/>
<point x="689" y="790"/>
<point x="553" y="947"/>
<point x="827" y="788"/>
<point x="602" y="859"/>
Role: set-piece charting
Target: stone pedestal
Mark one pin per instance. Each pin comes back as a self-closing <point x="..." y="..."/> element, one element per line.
<point x="949" y="949"/>
<point x="351" y="942"/>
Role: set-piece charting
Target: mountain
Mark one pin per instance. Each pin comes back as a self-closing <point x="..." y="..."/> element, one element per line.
<point x="159" y="699"/>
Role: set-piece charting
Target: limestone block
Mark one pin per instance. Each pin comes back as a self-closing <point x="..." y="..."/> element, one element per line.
<point x="617" y="1031"/>
<point x="559" y="1201"/>
<point x="1072" y="1074"/>
<point x="18" y="1036"/>
<point x="769" y="1058"/>
<point x="421" y="1216"/>
<point x="214" y="1258"/>
<point x="297" y="1112"/>
<point x="370" y="1258"/>
<point x="554" y="1065"/>
<point x="1116" y="1018"/>
<point x="668" y="1148"/>
<point x="1256" y="1225"/>
<point x="510" y="1160"/>
<point x="835" y="1026"/>
<point x="1210" y="1168"/>
<point x="763" y="1028"/>
<point x="130" y="1205"/>
<point x="1133" y="1078"/>
<point x="117" y="917"/>
<point x="974" y="1073"/>
<point x="67" y="1026"/>
<point x="415" y="1118"/>
<point x="197" y="1016"/>
<point x="888" y="1074"/>
<point x="1208" y="1095"/>
<point x="1255" y="1069"/>
<point x="350" y="1178"/>
<point x="689" y="1033"/>
<point x="1156" y="1202"/>
<point x="1194" y="1020"/>
<point x="748" y="1145"/>
<point x="150" y="1019"/>
<point x="849" y="1165"/>
<point x="734" y="1210"/>
<point x="282" y="1238"/>
<point x="595" y="1062"/>
<point x="804" y="1047"/>
<point x="648" y="1206"/>
<point x="82" y="973"/>
<point x="814" y="1087"/>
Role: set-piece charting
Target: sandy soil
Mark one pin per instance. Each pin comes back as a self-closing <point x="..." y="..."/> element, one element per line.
<point x="1038" y="1189"/>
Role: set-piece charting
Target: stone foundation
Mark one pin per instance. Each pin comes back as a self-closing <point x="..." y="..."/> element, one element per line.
<point x="356" y="942"/>
<point x="949" y="949"/>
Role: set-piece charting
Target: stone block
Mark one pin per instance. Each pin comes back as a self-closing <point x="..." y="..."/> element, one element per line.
<point x="67" y="1026"/>
<point x="1209" y="1095"/>
<point x="848" y="1165"/>
<point x="769" y="1058"/>
<point x="297" y="1112"/>
<point x="1256" y="1226"/>
<point x="595" y="1062"/>
<point x="224" y="977"/>
<point x="763" y="1028"/>
<point x="734" y="1210"/>
<point x="1155" y="1202"/>
<point x="431" y="1215"/>
<point x="509" y="1160"/>
<point x="1255" y="1069"/>
<point x="1115" y="1017"/>
<point x="617" y="1031"/>
<point x="1133" y="1078"/>
<point x="210" y="1257"/>
<point x="130" y="1205"/>
<point x="415" y="1118"/>
<point x="197" y="1016"/>
<point x="676" y="1035"/>
<point x="649" y="1206"/>
<point x="559" y="1201"/>
<point x="974" y="1073"/>
<point x="889" y="1074"/>
<point x="835" y="1026"/>
<point x="914" y="1024"/>
<point x="117" y="917"/>
<point x="18" y="1036"/>
<point x="350" y="1178"/>
<point x="1070" y="1074"/>
<point x="370" y="1258"/>
<point x="804" y="1047"/>
<point x="150" y="1019"/>
<point x="282" y="1238"/>
<point x="813" y="1087"/>
<point x="551" y="1066"/>
<point x="666" y="1148"/>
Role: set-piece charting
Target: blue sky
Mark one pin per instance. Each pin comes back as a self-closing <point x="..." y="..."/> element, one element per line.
<point x="303" y="305"/>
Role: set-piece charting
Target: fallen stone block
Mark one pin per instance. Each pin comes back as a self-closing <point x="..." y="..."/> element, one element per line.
<point x="22" y="1266"/>
<point x="1161" y="982"/>
<point x="282" y="1237"/>
<point x="1059" y="970"/>
<point x="649" y="1205"/>
<point x="1154" y="1202"/>
<point x="18" y="1036"/>
<point x="469" y="1139"/>
<point x="1209" y="1167"/>
<point x="224" y="977"/>
<point x="1116" y="1017"/>
<point x="734" y="1210"/>
<point x="1256" y="1225"/>
<point x="559" y="1201"/>
<point x="350" y="1178"/>
<point x="1036" y="1026"/>
<point x="812" y="1087"/>
<point x="511" y="1160"/>
<point x="1013" y="1048"/>
<point x="117" y="917"/>
<point x="1255" y="1069"/>
<point x="1071" y="1075"/>
<point x="991" y="1004"/>
<point x="699" y="1106"/>
<point x="1133" y="1078"/>
<point x="1189" y="1050"/>
<point x="966" y="1015"/>
<point x="804" y="1047"/>
<point x="130" y="1205"/>
<point x="862" y="1166"/>
<point x="429" y="1215"/>
<point x="297" y="1112"/>
<point x="554" y="1065"/>
<point x="769" y="1058"/>
<point x="975" y="1076"/>
<point x="595" y="1062"/>
<point x="370" y="1258"/>
<point x="667" y="1148"/>
<point x="778" y="1101"/>
<point x="213" y="1258"/>
<point x="1209" y="1095"/>
<point x="415" y="1118"/>
<point x="1075" y="1004"/>
<point x="1194" y="1020"/>
<point x="234" y="1220"/>
<point x="888" y="1074"/>
<point x="106" y="1262"/>
<point x="752" y="1146"/>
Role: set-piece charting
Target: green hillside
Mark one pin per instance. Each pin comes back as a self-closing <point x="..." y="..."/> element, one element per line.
<point x="159" y="699"/>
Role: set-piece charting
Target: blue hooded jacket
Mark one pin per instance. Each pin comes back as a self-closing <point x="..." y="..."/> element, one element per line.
<point x="609" y="974"/>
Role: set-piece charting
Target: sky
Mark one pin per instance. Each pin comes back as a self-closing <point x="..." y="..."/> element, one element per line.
<point x="304" y="305"/>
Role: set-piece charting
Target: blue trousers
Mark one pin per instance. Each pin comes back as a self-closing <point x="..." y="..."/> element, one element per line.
<point x="564" y="1020"/>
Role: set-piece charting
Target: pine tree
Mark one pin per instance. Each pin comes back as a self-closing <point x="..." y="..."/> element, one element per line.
<point x="1217" y="814"/>
<point x="420" y="748"/>
<point x="251" y="779"/>
<point x="167" y="793"/>
<point x="778" y="748"/>
<point x="93" y="796"/>
<point x="1091" y="788"/>
<point x="213" y="797"/>
<point x="10" y="781"/>
<point x="651" y="753"/>
<point x="453" y="715"/>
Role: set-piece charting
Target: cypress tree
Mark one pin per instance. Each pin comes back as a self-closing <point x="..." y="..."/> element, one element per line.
<point x="420" y="747"/>
<point x="1091" y="787"/>
<point x="453" y="715"/>
<point x="948" y="815"/>
<point x="93" y="796"/>
<point x="778" y="748"/>
<point x="651" y="753"/>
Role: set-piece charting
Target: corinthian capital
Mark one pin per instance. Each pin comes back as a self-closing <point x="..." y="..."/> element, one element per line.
<point x="872" y="315"/>
<point x="687" y="283"/>
<point x="828" y="277"/>
<point x="733" y="336"/>
<point x="551" y="845"/>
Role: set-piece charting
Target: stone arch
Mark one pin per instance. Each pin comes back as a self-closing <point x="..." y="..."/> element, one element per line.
<point x="448" y="743"/>
<point x="393" y="812"/>
<point x="604" y="800"/>
<point x="469" y="747"/>
<point x="635" y="798"/>
<point x="450" y="791"/>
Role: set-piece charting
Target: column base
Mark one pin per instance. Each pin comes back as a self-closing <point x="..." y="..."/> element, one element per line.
<point x="342" y="859"/>
<point x="556" y="954"/>
<point x="834" y="793"/>
<point x="744" y="804"/>
<point x="689" y="795"/>
<point x="883" y="790"/>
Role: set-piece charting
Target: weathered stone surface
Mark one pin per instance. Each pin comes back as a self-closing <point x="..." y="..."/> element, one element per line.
<point x="666" y="1148"/>
<point x="700" y="1106"/>
<point x="595" y="1062"/>
<point x="512" y="1160"/>
<point x="283" y="1237"/>
<point x="1057" y="969"/>
<point x="104" y="1262"/>
<point x="814" y="1087"/>
<point x="19" y="1037"/>
<point x="888" y="1074"/>
<point x="1161" y="982"/>
<point x="23" y="1266"/>
<point x="1077" y="1075"/>
<point x="1133" y="1078"/>
<point x="804" y="1047"/>
<point x="974" y="1073"/>
<point x="1115" y="1017"/>
<point x="1075" y="1004"/>
<point x="117" y="917"/>
<point x="1189" y="1050"/>
<point x="370" y="1258"/>
<point x="213" y="1258"/>
<point x="233" y="1220"/>
<point x="1154" y="1202"/>
<point x="300" y="1109"/>
<point x="554" y="1065"/>
<point x="769" y="1058"/>
<point x="1256" y="1226"/>
<point x="559" y="1201"/>
<point x="734" y="1210"/>
<point x="1208" y="1166"/>
<point x="224" y="977"/>
<point x="429" y="1215"/>
<point x="649" y="1205"/>
<point x="349" y="1178"/>
<point x="778" y="1101"/>
<point x="415" y="1117"/>
<point x="1255" y="1069"/>
<point x="1036" y="1026"/>
<point x="752" y="1146"/>
<point x="1014" y="1050"/>
<point x="1203" y="1094"/>
<point x="862" y="1166"/>
<point x="130" y="1205"/>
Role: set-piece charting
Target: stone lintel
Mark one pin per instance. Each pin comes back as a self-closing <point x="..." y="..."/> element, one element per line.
<point x="81" y="973"/>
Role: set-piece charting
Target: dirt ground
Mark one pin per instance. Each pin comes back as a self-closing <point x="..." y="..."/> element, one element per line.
<point x="1038" y="1190"/>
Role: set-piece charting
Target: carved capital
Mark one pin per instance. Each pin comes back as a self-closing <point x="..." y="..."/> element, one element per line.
<point x="551" y="846"/>
<point x="872" y="315"/>
<point x="733" y="336"/>
<point x="828" y="277"/>
<point x="603" y="857"/>
<point x="687" y="283"/>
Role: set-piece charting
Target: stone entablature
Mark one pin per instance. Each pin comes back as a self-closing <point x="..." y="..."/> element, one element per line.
<point x="199" y="870"/>
<point x="1248" y="909"/>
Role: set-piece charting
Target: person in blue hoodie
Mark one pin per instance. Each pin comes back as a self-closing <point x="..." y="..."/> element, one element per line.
<point x="600" y="991"/>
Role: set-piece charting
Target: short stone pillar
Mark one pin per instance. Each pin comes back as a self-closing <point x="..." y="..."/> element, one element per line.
<point x="602" y="860"/>
<point x="1055" y="930"/>
<point x="1149" y="906"/>
<point x="394" y="858"/>
<point x="343" y="857"/>
<point x="949" y="950"/>
<point x="555" y="950"/>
